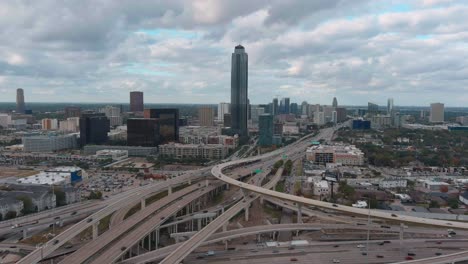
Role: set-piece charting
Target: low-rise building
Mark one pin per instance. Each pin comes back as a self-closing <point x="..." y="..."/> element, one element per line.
<point x="10" y="204"/>
<point x="321" y="188"/>
<point x="58" y="175"/>
<point x="113" y="154"/>
<point x="176" y="150"/>
<point x="342" y="154"/>
<point x="393" y="183"/>
<point x="49" y="143"/>
<point x="133" y="151"/>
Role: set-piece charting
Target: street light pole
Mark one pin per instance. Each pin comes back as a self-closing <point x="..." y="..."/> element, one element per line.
<point x="368" y="231"/>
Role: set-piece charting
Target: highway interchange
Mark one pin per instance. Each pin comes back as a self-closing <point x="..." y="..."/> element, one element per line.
<point x="123" y="235"/>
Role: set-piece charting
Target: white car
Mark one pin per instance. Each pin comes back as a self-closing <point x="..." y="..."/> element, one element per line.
<point x="360" y="246"/>
<point x="336" y="261"/>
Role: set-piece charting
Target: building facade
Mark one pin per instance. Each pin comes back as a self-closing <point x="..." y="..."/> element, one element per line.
<point x="136" y="101"/>
<point x="437" y="113"/>
<point x="265" y="130"/>
<point x="239" y="91"/>
<point x="142" y="132"/>
<point x="206" y="116"/>
<point x="176" y="150"/>
<point x="49" y="143"/>
<point x="93" y="128"/>
<point x="20" y="106"/>
<point x="168" y="123"/>
<point x="223" y="108"/>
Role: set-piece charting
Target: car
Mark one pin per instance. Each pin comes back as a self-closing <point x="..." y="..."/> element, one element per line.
<point x="439" y="242"/>
<point x="384" y="226"/>
<point x="409" y="258"/>
<point x="336" y="261"/>
<point x="364" y="253"/>
<point x="394" y="215"/>
<point x="123" y="248"/>
<point x="380" y="256"/>
<point x="89" y="220"/>
<point x="411" y="254"/>
<point x="335" y="246"/>
<point x="57" y="218"/>
<point x="56" y="241"/>
<point x="254" y="250"/>
<point x="293" y="259"/>
<point x="360" y="246"/>
<point x="381" y="243"/>
<point x="334" y="205"/>
<point x="162" y="218"/>
<point x="387" y="241"/>
<point x="12" y="246"/>
<point x="275" y="251"/>
<point x="291" y="248"/>
<point x="73" y="213"/>
<point x="200" y="257"/>
<point x="438" y="254"/>
<point x="360" y="224"/>
<point x="68" y="246"/>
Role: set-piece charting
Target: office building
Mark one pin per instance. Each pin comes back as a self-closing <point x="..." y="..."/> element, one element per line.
<point x="49" y="124"/>
<point x="112" y="154"/>
<point x="133" y="151"/>
<point x="341" y="114"/>
<point x="72" y="124"/>
<point x="227" y="120"/>
<point x="294" y="108"/>
<point x="381" y="121"/>
<point x="327" y="112"/>
<point x="342" y="154"/>
<point x="5" y="120"/>
<point x="284" y="106"/>
<point x="49" y="143"/>
<point x="223" y="108"/>
<point x="239" y="91"/>
<point x="200" y="151"/>
<point x="390" y="106"/>
<point x="372" y="108"/>
<point x="335" y="102"/>
<point x="361" y="124"/>
<point x="265" y="130"/>
<point x="143" y="132"/>
<point x="72" y="111"/>
<point x="206" y="116"/>
<point x="334" y="118"/>
<point x="168" y="123"/>
<point x="437" y="113"/>
<point x="136" y="101"/>
<point x="305" y="109"/>
<point x="463" y="120"/>
<point x="93" y="128"/>
<point x="20" y="107"/>
<point x="113" y="114"/>
<point x="256" y="111"/>
<point x="319" y="118"/>
<point x="275" y="107"/>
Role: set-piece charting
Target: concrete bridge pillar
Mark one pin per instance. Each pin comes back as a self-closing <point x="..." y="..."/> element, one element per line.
<point x="199" y="224"/>
<point x="25" y="233"/>
<point x="299" y="213"/>
<point x="143" y="203"/>
<point x="169" y="190"/>
<point x="95" y="228"/>
<point x="246" y="213"/>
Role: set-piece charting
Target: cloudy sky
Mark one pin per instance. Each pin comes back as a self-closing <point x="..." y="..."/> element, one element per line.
<point x="179" y="51"/>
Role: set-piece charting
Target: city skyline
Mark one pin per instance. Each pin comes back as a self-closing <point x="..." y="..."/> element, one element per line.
<point x="348" y="49"/>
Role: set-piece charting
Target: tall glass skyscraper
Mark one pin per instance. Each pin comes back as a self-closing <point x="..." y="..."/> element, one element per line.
<point x="20" y="108"/>
<point x="239" y="91"/>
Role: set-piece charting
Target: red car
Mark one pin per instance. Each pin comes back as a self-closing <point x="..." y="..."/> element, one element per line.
<point x="293" y="259"/>
<point x="409" y="258"/>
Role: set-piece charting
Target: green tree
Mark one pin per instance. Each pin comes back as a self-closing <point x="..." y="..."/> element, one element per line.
<point x="28" y="206"/>
<point x="95" y="195"/>
<point x="10" y="215"/>
<point x="434" y="204"/>
<point x="453" y="203"/>
<point x="346" y="190"/>
<point x="59" y="196"/>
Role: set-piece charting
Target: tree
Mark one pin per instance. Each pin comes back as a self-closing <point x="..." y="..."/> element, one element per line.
<point x="28" y="206"/>
<point x="10" y="215"/>
<point x="60" y="198"/>
<point x="453" y="203"/>
<point x="95" y="195"/>
<point x="434" y="204"/>
<point x="345" y="189"/>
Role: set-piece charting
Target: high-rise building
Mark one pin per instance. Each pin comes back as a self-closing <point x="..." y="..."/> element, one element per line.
<point x="143" y="132"/>
<point x="168" y="123"/>
<point x="113" y="114"/>
<point x="328" y="112"/>
<point x="239" y="91"/>
<point x="304" y="108"/>
<point x="93" y="128"/>
<point x="256" y="112"/>
<point x="223" y="108"/>
<point x="319" y="118"/>
<point x="334" y="117"/>
<point x="390" y="106"/>
<point x="206" y="115"/>
<point x="341" y="114"/>
<point x="265" y="130"/>
<point x="437" y="113"/>
<point x="372" y="108"/>
<point x="275" y="107"/>
<point x="227" y="120"/>
<point x="49" y="124"/>
<point x="20" y="108"/>
<point x="285" y="106"/>
<point x="294" y="108"/>
<point x="70" y="125"/>
<point x="136" y="101"/>
<point x="335" y="102"/>
<point x="72" y="111"/>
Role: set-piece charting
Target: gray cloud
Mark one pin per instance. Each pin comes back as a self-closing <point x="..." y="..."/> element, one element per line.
<point x="179" y="50"/>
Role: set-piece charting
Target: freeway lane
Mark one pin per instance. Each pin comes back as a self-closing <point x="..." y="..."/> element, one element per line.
<point x="92" y="247"/>
<point x="131" y="197"/>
